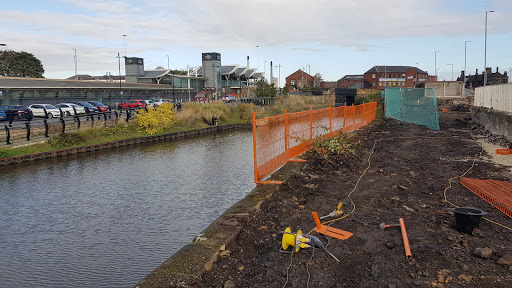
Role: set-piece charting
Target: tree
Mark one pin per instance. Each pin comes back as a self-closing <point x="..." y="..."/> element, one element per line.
<point x="20" y="64"/>
<point x="263" y="89"/>
<point x="317" y="79"/>
<point x="286" y="90"/>
<point x="160" y="67"/>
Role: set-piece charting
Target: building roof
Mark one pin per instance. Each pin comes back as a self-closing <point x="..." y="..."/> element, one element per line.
<point x="353" y="78"/>
<point x="157" y="73"/>
<point x="258" y="75"/>
<point x="228" y="69"/>
<point x="240" y="71"/>
<point x="43" y="83"/>
<point x="394" y="69"/>
<point x="249" y="73"/>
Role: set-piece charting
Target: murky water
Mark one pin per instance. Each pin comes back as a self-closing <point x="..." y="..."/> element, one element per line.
<point x="108" y="219"/>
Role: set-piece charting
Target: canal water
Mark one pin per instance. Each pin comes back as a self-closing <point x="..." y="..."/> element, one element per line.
<point x="108" y="219"/>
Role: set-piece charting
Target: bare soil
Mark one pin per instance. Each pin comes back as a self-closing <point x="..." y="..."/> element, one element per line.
<point x="409" y="170"/>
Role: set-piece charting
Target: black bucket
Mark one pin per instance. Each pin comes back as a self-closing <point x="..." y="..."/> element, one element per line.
<point x="467" y="219"/>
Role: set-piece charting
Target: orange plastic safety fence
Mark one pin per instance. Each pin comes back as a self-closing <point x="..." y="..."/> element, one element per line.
<point x="280" y="138"/>
<point x="497" y="193"/>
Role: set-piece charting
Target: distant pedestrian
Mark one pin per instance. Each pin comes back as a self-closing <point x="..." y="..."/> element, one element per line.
<point x="214" y="120"/>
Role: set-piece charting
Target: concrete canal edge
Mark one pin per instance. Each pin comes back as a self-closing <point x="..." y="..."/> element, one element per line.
<point x="191" y="261"/>
<point x="122" y="143"/>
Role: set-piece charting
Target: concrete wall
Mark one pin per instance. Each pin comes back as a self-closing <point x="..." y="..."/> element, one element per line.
<point x="447" y="88"/>
<point x="497" y="97"/>
<point x="497" y="122"/>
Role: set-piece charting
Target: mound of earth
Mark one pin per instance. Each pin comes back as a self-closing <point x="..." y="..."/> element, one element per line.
<point x="409" y="169"/>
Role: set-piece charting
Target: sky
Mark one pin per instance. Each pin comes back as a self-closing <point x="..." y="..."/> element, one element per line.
<point x="333" y="38"/>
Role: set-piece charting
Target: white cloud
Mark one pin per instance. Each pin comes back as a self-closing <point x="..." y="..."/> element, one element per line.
<point x="96" y="26"/>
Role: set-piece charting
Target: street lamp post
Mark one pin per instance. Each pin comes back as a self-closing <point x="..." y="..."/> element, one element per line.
<point x="452" y="70"/>
<point x="279" y="79"/>
<point x="76" y="74"/>
<point x="258" y="56"/>
<point x="120" y="89"/>
<point x="435" y="64"/>
<point x="167" y="61"/>
<point x="124" y="38"/>
<point x="465" y="53"/>
<point x="485" y="49"/>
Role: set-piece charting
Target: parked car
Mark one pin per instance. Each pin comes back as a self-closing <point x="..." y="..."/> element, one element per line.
<point x="229" y="98"/>
<point x="87" y="106"/>
<point x="99" y="105"/>
<point x="38" y="110"/>
<point x="149" y="102"/>
<point x="17" y="112"/>
<point x="70" y="108"/>
<point x="130" y="104"/>
<point x="158" y="102"/>
<point x="3" y="115"/>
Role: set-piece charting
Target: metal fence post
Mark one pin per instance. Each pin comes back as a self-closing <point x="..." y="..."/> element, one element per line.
<point x="45" y="128"/>
<point x="127" y="116"/>
<point x="8" y="138"/>
<point x="63" y="123"/>
<point x="27" y="126"/>
<point x="77" y="120"/>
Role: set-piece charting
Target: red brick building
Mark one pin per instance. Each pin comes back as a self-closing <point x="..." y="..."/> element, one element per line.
<point x="299" y="79"/>
<point x="379" y="77"/>
<point x="351" y="81"/>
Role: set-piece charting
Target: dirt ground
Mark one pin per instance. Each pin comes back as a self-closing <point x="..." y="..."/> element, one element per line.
<point x="410" y="168"/>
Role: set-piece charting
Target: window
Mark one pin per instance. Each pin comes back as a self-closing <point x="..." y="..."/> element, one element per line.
<point x="373" y="76"/>
<point x="292" y="82"/>
<point x="373" y="83"/>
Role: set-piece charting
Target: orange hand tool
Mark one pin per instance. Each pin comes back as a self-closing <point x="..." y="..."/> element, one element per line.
<point x="504" y="151"/>
<point x="330" y="231"/>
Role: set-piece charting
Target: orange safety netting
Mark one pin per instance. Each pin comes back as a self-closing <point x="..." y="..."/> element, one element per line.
<point x="279" y="139"/>
<point x="497" y="193"/>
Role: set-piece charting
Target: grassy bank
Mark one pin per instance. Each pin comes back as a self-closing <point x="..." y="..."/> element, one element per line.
<point x="190" y="117"/>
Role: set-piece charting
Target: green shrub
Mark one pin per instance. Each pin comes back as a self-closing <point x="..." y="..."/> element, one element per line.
<point x="4" y="153"/>
<point x="66" y="140"/>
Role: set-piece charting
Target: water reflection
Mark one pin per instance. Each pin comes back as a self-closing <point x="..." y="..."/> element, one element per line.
<point x="107" y="219"/>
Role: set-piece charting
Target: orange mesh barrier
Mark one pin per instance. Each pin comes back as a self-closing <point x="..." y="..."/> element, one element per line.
<point x="497" y="193"/>
<point x="279" y="139"/>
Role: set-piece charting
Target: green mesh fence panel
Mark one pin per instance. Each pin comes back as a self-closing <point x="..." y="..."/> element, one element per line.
<point x="413" y="105"/>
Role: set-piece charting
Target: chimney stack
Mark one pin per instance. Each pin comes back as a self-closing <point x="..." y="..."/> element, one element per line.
<point x="497" y="69"/>
<point x="488" y="70"/>
<point x="476" y="73"/>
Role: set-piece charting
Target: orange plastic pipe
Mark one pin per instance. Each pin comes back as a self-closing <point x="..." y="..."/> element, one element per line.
<point x="317" y="220"/>
<point x="407" y="248"/>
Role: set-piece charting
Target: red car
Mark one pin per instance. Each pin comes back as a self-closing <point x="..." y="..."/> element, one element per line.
<point x="99" y="105"/>
<point x="130" y="104"/>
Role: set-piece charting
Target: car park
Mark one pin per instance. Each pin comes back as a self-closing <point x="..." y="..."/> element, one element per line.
<point x="131" y="104"/>
<point x="70" y="109"/>
<point x="99" y="105"/>
<point x="39" y="110"/>
<point x="17" y="112"/>
<point x="87" y="106"/>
